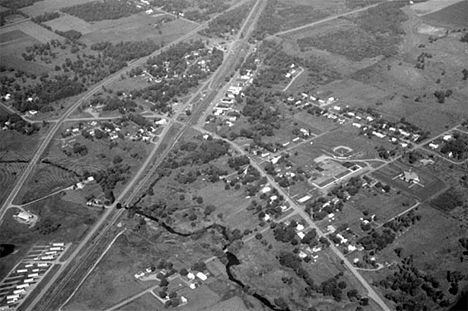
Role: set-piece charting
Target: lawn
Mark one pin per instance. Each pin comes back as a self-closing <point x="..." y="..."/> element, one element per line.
<point x="431" y="184"/>
<point x="384" y="206"/>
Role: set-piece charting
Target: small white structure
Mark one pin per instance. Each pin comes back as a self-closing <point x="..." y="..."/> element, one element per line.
<point x="202" y="276"/>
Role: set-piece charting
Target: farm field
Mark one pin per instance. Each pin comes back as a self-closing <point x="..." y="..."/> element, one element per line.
<point x="135" y="28"/>
<point x="433" y="6"/>
<point x="8" y="175"/>
<point x="44" y="6"/>
<point x="453" y="15"/>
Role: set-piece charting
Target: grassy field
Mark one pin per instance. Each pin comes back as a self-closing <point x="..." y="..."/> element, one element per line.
<point x="145" y="302"/>
<point x="384" y="206"/>
<point x="112" y="281"/>
<point x="68" y="22"/>
<point x="8" y="175"/>
<point x="135" y="28"/>
<point x="17" y="147"/>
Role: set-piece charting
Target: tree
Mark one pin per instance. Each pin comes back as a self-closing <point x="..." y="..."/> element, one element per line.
<point x="183" y="272"/>
<point x="164" y="282"/>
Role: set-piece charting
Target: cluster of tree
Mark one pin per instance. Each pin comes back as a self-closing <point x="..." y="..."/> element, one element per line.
<point x="237" y="162"/>
<point x="464" y="38"/>
<point x="333" y="287"/>
<point x="207" y="151"/>
<point x="47" y="226"/>
<point x="268" y="23"/>
<point x="109" y="177"/>
<point x="172" y="61"/>
<point x="286" y="233"/>
<point x="17" y="4"/>
<point x="6" y="13"/>
<point x="411" y="289"/>
<point x="114" y="103"/>
<point x="465" y="74"/>
<point x="102" y="10"/>
<point x="457" y="146"/>
<point x="6" y="249"/>
<point x="18" y="124"/>
<point x="402" y="222"/>
<point x="449" y="200"/>
<point x="352" y="188"/>
<point x="80" y="149"/>
<point x="47" y="16"/>
<point x="228" y="22"/>
<point x="442" y="95"/>
<point x="71" y="34"/>
<point x="276" y="65"/>
<point x="377" y="241"/>
<point x="421" y="60"/>
<point x="138" y="119"/>
<point x="125" y="51"/>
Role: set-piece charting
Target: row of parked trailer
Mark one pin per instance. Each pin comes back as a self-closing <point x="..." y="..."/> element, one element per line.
<point x="26" y="274"/>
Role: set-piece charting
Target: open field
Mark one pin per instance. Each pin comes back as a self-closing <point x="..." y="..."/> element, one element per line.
<point x="113" y="279"/>
<point x="44" y="6"/>
<point x="431" y="6"/>
<point x="145" y="302"/>
<point x="135" y="28"/>
<point x="453" y="15"/>
<point x="12" y="35"/>
<point x="33" y="30"/>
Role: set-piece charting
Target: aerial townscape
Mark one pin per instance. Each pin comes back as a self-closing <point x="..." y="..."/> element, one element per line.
<point x="234" y="155"/>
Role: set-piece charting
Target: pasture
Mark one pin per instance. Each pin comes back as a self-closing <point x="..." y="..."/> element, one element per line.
<point x="12" y="35"/>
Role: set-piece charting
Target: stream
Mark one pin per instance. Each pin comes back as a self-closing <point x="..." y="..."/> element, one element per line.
<point x="232" y="260"/>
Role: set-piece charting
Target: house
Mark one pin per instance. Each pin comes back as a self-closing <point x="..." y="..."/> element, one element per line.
<point x="202" y="276"/>
<point x="433" y="145"/>
<point x="358" y="125"/>
<point x="410" y="177"/>
<point x="447" y="137"/>
<point x="301" y="235"/>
